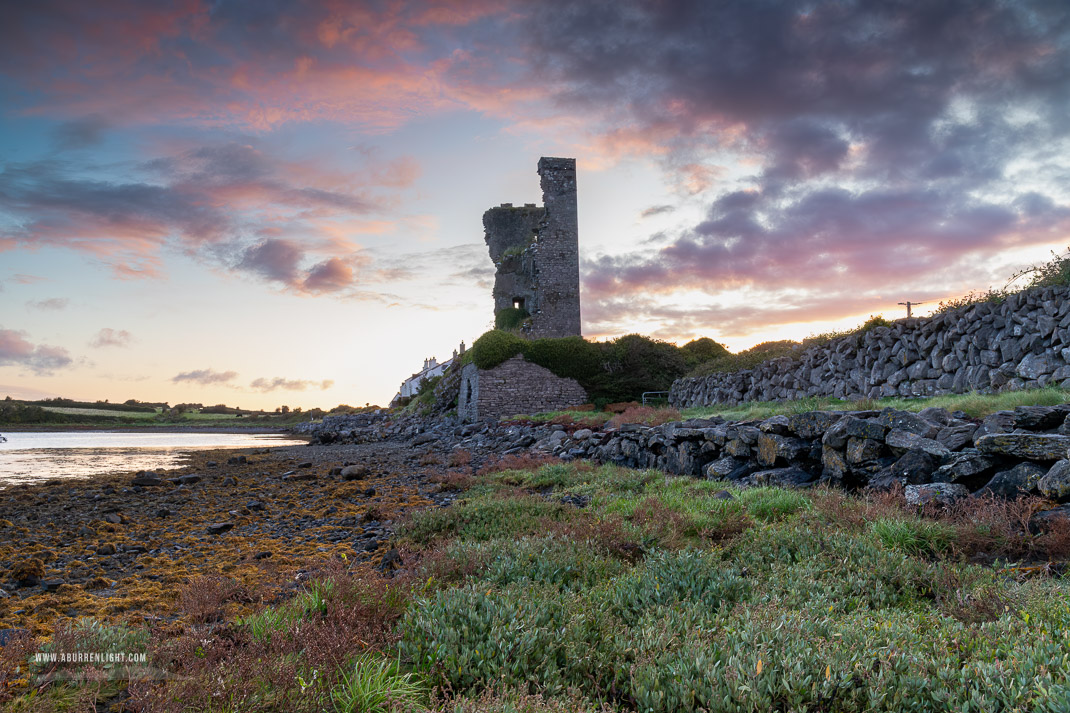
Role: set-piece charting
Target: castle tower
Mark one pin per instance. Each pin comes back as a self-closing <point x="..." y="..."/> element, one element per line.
<point x="558" y="260"/>
<point x="536" y="253"/>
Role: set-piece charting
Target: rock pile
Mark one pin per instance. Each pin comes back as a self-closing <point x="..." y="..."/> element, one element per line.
<point x="346" y="428"/>
<point x="936" y="455"/>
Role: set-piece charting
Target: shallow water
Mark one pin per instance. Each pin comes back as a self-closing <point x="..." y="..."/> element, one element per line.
<point x="28" y="456"/>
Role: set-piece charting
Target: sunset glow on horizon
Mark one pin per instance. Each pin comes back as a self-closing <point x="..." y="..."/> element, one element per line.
<point x="274" y="203"/>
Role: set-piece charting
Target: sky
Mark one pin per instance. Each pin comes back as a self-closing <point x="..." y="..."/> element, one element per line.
<point x="262" y="203"/>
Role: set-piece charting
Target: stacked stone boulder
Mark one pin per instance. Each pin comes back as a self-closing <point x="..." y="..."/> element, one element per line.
<point x="935" y="455"/>
<point x="1020" y="343"/>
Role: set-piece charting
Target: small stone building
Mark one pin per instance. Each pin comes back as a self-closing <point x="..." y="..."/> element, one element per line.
<point x="516" y="386"/>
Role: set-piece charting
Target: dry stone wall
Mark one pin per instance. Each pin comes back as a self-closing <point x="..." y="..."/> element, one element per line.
<point x="515" y="386"/>
<point x="1021" y="343"/>
<point x="934" y="455"/>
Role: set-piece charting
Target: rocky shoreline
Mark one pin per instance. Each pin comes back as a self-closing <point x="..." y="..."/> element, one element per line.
<point x="933" y="455"/>
<point x="120" y="548"/>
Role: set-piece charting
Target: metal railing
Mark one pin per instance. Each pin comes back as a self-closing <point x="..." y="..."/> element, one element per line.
<point x="650" y="397"/>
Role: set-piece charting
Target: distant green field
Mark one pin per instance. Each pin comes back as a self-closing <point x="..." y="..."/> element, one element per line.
<point x="106" y="413"/>
<point x="197" y="416"/>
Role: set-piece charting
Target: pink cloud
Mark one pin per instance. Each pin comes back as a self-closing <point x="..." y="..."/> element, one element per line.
<point x="282" y="384"/>
<point x="211" y="201"/>
<point x="229" y="64"/>
<point x="42" y="359"/>
<point x="205" y="377"/>
<point x="108" y="337"/>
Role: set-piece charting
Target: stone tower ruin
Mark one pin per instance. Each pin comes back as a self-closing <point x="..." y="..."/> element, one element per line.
<point x="536" y="255"/>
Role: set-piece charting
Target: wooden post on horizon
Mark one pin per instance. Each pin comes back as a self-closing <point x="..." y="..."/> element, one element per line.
<point x="909" y="305"/>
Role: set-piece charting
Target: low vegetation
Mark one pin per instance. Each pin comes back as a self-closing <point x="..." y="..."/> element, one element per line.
<point x="1053" y="273"/>
<point x="973" y="404"/>
<point x="570" y="587"/>
<point x="613" y="371"/>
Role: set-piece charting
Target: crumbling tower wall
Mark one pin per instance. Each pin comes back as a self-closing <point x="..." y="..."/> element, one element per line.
<point x="558" y="260"/>
<point x="536" y="253"/>
<point x="510" y="233"/>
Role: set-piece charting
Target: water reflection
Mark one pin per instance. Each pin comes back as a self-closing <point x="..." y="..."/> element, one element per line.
<point x="30" y="456"/>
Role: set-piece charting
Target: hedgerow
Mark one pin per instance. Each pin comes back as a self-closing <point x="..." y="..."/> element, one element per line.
<point x="618" y="370"/>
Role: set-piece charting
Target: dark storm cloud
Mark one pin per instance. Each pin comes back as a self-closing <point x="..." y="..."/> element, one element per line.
<point x="80" y="133"/>
<point x="780" y="61"/>
<point x="884" y="136"/>
<point x="54" y="202"/>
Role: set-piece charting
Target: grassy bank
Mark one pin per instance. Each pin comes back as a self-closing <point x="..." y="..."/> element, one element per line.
<point x="566" y="587"/>
<point x="974" y="404"/>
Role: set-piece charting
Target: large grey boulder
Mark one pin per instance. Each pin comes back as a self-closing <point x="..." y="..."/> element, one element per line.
<point x="966" y="468"/>
<point x="862" y="450"/>
<point x="956" y="437"/>
<point x="1033" y="366"/>
<point x="728" y="468"/>
<point x="812" y="424"/>
<point x="1019" y="480"/>
<point x="773" y="449"/>
<point x="914" y="467"/>
<point x="1046" y="519"/>
<point x="906" y="440"/>
<point x="779" y="477"/>
<point x="935" y="494"/>
<point x="864" y="428"/>
<point x="1040" y="418"/>
<point x="836" y="434"/>
<point x="834" y="465"/>
<point x="1031" y="446"/>
<point x="1055" y="484"/>
<point x="907" y="421"/>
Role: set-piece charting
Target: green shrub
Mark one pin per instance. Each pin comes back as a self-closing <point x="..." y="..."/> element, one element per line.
<point x="633" y="364"/>
<point x="266" y="623"/>
<point x="474" y="638"/>
<point x="550" y="475"/>
<point x="668" y="578"/>
<point x="550" y="560"/>
<point x="620" y="370"/>
<point x="315" y="597"/>
<point x="484" y="518"/>
<point x="918" y="537"/>
<point x="494" y="347"/>
<point x="1054" y="273"/>
<point x="699" y="351"/>
<point x="872" y="323"/>
<point x="748" y="358"/>
<point x="376" y="685"/>
<point x="569" y="357"/>
<point x="770" y="504"/>
<point x="510" y="318"/>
